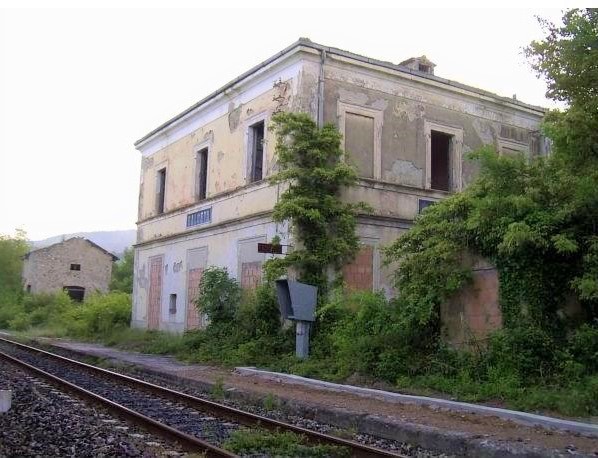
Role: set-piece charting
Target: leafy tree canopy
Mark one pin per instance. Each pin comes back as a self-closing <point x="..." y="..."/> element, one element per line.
<point x="537" y="220"/>
<point x="12" y="250"/>
<point x="122" y="273"/>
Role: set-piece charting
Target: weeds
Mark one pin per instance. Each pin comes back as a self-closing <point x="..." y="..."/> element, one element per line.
<point x="265" y="443"/>
<point x="217" y="390"/>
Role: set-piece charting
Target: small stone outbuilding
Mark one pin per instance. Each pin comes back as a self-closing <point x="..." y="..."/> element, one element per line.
<point x="77" y="266"/>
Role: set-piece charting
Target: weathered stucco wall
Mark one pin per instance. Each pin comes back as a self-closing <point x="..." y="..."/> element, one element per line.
<point x="404" y="106"/>
<point x="227" y="141"/>
<point x="397" y="110"/>
<point x="227" y="246"/>
<point x="48" y="269"/>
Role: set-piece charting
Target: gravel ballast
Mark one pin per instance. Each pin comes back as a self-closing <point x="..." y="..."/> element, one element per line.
<point x="44" y="422"/>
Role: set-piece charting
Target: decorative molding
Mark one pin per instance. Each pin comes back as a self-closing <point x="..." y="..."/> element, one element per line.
<point x="456" y="153"/>
<point x="378" y="116"/>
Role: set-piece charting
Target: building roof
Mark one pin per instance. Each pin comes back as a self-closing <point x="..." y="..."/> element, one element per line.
<point x="306" y="42"/>
<point x="95" y="245"/>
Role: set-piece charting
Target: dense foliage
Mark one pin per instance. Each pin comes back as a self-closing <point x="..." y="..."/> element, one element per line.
<point x="310" y="164"/>
<point x="122" y="272"/>
<point x="56" y="314"/>
<point x="12" y="250"/>
<point x="536" y="220"/>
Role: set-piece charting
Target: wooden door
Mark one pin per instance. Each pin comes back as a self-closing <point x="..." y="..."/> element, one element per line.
<point x="155" y="293"/>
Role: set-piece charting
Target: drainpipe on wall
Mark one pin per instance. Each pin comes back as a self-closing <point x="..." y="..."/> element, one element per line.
<point x="321" y="89"/>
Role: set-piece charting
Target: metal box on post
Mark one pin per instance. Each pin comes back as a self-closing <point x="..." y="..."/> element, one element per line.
<point x="297" y="302"/>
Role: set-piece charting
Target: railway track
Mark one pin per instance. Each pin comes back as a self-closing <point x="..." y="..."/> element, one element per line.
<point x="196" y="424"/>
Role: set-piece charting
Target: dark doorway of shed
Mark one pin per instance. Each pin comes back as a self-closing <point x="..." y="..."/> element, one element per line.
<point x="441" y="161"/>
<point x="76" y="293"/>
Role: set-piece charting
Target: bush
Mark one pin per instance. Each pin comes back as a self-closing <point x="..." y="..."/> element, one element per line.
<point x="219" y="295"/>
<point x="526" y="351"/>
<point x="100" y="315"/>
<point x="583" y="348"/>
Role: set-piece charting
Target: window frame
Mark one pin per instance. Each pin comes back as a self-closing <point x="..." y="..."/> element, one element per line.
<point x="378" y="115"/>
<point x="197" y="150"/>
<point x="161" y="190"/>
<point x="455" y="155"/>
<point x="249" y="141"/>
<point x="75" y="267"/>
<point x="514" y="146"/>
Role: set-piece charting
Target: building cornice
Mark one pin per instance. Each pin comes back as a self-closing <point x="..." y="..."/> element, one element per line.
<point x="291" y="55"/>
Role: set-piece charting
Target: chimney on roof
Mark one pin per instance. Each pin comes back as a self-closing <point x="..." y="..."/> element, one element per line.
<point x="420" y="64"/>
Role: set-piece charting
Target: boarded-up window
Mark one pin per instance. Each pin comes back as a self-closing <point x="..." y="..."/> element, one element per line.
<point x="251" y="274"/>
<point x="359" y="143"/>
<point x="197" y="259"/>
<point x="359" y="275"/>
<point x="155" y="293"/>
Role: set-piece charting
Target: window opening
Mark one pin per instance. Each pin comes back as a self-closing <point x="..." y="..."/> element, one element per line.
<point x="440" y="161"/>
<point x="160" y="191"/>
<point x="257" y="151"/>
<point x="172" y="308"/>
<point x="202" y="162"/>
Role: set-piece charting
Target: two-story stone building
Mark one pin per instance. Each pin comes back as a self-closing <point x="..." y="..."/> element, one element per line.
<point x="76" y="265"/>
<point x="204" y="199"/>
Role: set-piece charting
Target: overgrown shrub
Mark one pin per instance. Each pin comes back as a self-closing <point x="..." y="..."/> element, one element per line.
<point x="219" y="295"/>
<point x="100" y="315"/>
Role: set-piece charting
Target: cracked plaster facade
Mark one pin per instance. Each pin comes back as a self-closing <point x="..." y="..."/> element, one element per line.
<point x="330" y="85"/>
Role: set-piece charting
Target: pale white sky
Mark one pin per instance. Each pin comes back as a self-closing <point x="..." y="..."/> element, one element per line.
<point x="78" y="87"/>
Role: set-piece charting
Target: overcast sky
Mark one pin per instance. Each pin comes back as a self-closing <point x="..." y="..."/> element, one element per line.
<point x="79" y="87"/>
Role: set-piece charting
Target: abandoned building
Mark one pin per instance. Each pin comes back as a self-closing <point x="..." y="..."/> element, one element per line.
<point x="204" y="200"/>
<point x="76" y="265"/>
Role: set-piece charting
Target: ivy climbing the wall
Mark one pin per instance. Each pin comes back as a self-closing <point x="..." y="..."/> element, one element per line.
<point x="310" y="164"/>
<point x="536" y="219"/>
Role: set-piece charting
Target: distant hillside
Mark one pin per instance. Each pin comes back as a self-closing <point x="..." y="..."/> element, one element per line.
<point x="113" y="241"/>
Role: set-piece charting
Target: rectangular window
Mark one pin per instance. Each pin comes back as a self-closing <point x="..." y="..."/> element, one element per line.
<point x="172" y="307"/>
<point x="160" y="190"/>
<point x="440" y="161"/>
<point x="75" y="266"/>
<point x="424" y="203"/>
<point x="359" y="143"/>
<point x="257" y="151"/>
<point x="199" y="217"/>
<point x="202" y="176"/>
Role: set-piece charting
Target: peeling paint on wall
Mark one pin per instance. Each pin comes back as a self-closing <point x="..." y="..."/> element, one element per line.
<point x="409" y="111"/>
<point x="406" y="173"/>
<point x="234" y="115"/>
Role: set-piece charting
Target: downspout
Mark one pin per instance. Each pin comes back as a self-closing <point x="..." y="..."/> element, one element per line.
<point x="321" y="89"/>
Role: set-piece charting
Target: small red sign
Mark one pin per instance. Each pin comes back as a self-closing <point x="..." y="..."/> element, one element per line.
<point x="269" y="248"/>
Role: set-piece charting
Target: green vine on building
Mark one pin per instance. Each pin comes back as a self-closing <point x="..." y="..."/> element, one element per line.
<point x="311" y="165"/>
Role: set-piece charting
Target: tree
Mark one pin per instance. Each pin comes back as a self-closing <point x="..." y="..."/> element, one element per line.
<point x="536" y="220"/>
<point x="122" y="272"/>
<point x="310" y="162"/>
<point x="12" y="250"/>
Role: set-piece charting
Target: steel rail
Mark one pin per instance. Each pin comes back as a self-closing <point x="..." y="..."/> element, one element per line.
<point x="221" y="410"/>
<point x="186" y="441"/>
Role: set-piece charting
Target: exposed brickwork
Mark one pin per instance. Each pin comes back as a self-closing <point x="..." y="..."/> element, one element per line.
<point x="470" y="316"/>
<point x="359" y="275"/>
<point x="251" y="274"/>
<point x="194" y="319"/>
<point x="155" y="293"/>
<point x="49" y="269"/>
